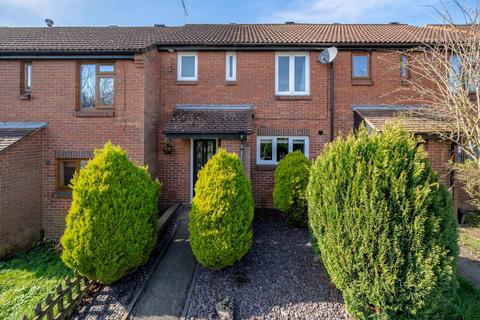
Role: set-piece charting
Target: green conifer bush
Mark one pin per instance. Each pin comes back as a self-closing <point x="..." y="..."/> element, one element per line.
<point x="384" y="224"/>
<point x="291" y="180"/>
<point x="111" y="224"/>
<point x="222" y="212"/>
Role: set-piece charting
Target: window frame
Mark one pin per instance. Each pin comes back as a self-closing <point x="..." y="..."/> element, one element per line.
<point x="291" y="68"/>
<point x="58" y="169"/>
<point x="369" y="66"/>
<point x="180" y="66"/>
<point x="234" y="66"/>
<point x="24" y="88"/>
<point x="98" y="75"/>
<point x="274" y="147"/>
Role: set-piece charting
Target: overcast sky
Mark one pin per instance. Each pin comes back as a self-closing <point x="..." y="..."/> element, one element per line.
<point x="170" y="12"/>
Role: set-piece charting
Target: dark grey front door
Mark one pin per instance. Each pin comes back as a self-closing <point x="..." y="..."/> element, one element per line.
<point x="203" y="150"/>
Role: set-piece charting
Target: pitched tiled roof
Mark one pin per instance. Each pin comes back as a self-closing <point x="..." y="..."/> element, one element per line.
<point x="127" y="39"/>
<point x="411" y="121"/>
<point x="198" y="120"/>
<point x="77" y="39"/>
<point x="266" y="34"/>
<point x="12" y="132"/>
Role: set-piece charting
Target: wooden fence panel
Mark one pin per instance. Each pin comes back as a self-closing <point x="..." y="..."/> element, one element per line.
<point x="66" y="299"/>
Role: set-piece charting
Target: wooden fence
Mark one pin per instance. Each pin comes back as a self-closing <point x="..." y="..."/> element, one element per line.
<point x="63" y="303"/>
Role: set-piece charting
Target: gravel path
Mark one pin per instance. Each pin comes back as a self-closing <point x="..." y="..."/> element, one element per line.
<point x="277" y="279"/>
<point x="112" y="301"/>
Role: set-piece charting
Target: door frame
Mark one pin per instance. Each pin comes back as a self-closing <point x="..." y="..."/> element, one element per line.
<point x="191" y="161"/>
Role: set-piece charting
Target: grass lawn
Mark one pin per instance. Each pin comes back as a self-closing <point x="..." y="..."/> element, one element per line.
<point x="466" y="305"/>
<point x="27" y="278"/>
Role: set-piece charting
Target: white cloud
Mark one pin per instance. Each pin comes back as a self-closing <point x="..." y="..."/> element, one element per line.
<point x="344" y="11"/>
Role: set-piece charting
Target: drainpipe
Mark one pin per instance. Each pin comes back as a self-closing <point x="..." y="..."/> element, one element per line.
<point x="242" y="147"/>
<point x="332" y="102"/>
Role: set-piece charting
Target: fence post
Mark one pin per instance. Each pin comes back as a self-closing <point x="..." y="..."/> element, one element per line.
<point x="38" y="311"/>
<point x="48" y="302"/>
<point x="60" y="298"/>
<point x="69" y="290"/>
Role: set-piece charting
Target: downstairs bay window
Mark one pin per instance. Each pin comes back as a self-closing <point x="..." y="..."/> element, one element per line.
<point x="270" y="150"/>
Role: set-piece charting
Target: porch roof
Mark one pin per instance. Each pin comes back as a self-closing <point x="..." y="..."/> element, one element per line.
<point x="12" y="132"/>
<point x="194" y="121"/>
<point x="376" y="117"/>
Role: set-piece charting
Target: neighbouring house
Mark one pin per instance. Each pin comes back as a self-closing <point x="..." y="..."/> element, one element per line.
<point x="171" y="96"/>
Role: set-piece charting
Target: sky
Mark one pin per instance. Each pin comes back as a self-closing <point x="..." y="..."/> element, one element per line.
<point x="170" y="12"/>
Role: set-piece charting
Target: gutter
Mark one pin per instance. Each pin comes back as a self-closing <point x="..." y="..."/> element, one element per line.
<point x="66" y="57"/>
<point x="287" y="47"/>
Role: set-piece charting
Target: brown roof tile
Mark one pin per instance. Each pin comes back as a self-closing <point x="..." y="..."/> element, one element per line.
<point x="11" y="132"/>
<point x="377" y="118"/>
<point x="126" y="39"/>
<point x="210" y="121"/>
<point x="303" y="34"/>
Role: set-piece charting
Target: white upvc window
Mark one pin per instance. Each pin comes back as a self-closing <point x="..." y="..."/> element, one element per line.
<point x="231" y="66"/>
<point x="270" y="150"/>
<point x="292" y="73"/>
<point x="187" y="66"/>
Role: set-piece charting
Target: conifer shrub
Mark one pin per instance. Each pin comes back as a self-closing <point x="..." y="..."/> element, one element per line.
<point x="222" y="212"/>
<point x="291" y="180"/>
<point x="384" y="225"/>
<point x="111" y="224"/>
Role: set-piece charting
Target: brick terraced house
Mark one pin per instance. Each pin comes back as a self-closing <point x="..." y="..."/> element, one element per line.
<point x="171" y="96"/>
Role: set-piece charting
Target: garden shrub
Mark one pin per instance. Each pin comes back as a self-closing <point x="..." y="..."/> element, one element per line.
<point x="222" y="212"/>
<point x="111" y="224"/>
<point x="384" y="225"/>
<point x="291" y="180"/>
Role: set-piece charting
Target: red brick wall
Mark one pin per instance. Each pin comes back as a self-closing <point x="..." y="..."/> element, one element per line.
<point x="152" y="111"/>
<point x="21" y="194"/>
<point x="256" y="85"/>
<point x="146" y="94"/>
<point x="440" y="153"/>
<point x="54" y="99"/>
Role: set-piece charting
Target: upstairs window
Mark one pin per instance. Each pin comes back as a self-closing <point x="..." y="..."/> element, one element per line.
<point x="361" y="66"/>
<point x="292" y="74"/>
<point x="404" y="71"/>
<point x="270" y="150"/>
<point x="455" y="72"/>
<point x="466" y="75"/>
<point x="66" y="169"/>
<point x="231" y="66"/>
<point x="26" y="77"/>
<point x="97" y="85"/>
<point x="187" y="66"/>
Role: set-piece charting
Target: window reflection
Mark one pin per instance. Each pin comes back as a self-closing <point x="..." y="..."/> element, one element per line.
<point x="105" y="88"/>
<point x="87" y="95"/>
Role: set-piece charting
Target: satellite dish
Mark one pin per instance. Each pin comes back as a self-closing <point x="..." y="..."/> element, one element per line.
<point x="327" y="55"/>
<point x="49" y="22"/>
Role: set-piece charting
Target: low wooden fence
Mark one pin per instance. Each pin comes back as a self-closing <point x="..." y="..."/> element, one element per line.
<point x="63" y="303"/>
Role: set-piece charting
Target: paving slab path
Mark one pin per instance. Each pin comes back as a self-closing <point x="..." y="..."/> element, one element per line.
<point x="165" y="295"/>
<point x="469" y="269"/>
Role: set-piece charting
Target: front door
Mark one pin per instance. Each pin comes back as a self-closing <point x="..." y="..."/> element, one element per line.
<point x="203" y="150"/>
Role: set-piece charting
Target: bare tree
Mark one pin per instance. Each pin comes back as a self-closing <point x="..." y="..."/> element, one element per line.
<point x="445" y="77"/>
